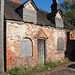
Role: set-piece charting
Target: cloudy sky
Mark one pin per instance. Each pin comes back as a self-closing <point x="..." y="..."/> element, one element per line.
<point x="43" y="4"/>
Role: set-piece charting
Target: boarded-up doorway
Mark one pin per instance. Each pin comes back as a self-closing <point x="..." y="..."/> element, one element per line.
<point x="41" y="51"/>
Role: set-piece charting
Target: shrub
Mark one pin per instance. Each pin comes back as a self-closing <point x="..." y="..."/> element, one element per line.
<point x="66" y="60"/>
<point x="40" y="67"/>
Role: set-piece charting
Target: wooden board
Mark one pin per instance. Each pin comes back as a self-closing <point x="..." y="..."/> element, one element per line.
<point x="26" y="48"/>
<point x="41" y="51"/>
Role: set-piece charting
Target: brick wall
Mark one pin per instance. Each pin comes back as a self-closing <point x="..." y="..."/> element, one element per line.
<point x="16" y="31"/>
<point x="17" y="1"/>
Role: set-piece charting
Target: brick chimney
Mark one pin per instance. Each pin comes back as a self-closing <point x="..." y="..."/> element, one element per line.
<point x="55" y="5"/>
<point x="17" y="1"/>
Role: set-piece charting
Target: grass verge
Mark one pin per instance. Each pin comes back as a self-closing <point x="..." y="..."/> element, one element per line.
<point x="41" y="67"/>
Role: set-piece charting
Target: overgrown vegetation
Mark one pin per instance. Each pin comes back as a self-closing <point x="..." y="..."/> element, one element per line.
<point x="26" y="70"/>
<point x="68" y="8"/>
<point x="20" y="71"/>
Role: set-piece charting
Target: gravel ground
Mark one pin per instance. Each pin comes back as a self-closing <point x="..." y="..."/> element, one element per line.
<point x="65" y="69"/>
<point x="64" y="72"/>
<point x="3" y="74"/>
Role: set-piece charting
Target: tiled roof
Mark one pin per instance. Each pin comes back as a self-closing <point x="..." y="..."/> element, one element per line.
<point x="11" y="14"/>
<point x="42" y="18"/>
<point x="9" y="10"/>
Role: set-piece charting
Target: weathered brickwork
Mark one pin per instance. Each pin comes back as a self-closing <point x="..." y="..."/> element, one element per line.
<point x="72" y="35"/>
<point x="17" y="1"/>
<point x="15" y="32"/>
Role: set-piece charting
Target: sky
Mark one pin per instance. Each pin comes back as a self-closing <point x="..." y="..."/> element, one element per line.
<point x="44" y="4"/>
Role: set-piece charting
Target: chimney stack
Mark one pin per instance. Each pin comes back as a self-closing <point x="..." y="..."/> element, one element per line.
<point x="55" y="5"/>
<point x="16" y="1"/>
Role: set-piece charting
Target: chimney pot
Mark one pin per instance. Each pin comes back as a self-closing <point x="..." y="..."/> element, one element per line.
<point x="55" y="5"/>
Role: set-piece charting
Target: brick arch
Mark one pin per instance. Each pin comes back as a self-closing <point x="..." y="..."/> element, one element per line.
<point x="17" y="1"/>
<point x="27" y="38"/>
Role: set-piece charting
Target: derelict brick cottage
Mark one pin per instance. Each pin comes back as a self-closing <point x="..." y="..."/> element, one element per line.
<point x="32" y="36"/>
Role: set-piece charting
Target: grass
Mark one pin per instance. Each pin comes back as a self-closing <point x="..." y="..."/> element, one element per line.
<point x="20" y="71"/>
<point x="41" y="67"/>
<point x="57" y="63"/>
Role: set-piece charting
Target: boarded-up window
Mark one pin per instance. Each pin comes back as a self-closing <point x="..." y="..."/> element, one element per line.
<point x="26" y="48"/>
<point x="60" y="45"/>
<point x="59" y="22"/>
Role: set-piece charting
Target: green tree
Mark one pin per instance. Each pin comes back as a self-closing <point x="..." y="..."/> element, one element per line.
<point x="68" y="8"/>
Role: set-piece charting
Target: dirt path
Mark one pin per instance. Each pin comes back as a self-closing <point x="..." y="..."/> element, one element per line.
<point x="3" y="74"/>
<point x="61" y="70"/>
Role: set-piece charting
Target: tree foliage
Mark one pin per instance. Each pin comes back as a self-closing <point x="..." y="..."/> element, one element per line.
<point x="68" y="8"/>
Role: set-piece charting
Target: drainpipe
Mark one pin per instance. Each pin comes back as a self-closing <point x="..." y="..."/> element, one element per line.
<point x="2" y="36"/>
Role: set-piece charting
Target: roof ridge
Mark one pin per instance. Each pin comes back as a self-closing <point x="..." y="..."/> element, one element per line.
<point x="43" y="10"/>
<point x="31" y="3"/>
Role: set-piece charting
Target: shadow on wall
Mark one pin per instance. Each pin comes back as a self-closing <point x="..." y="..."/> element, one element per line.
<point x="4" y="45"/>
<point x="70" y="52"/>
<point x="72" y="66"/>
